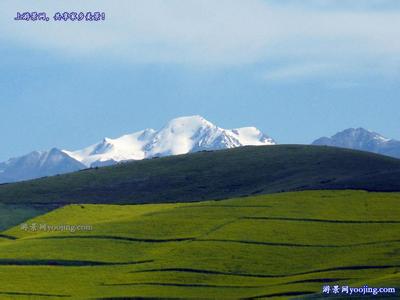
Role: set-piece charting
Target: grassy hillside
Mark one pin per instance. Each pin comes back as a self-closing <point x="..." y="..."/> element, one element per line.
<point x="11" y="215"/>
<point x="285" y="245"/>
<point x="214" y="175"/>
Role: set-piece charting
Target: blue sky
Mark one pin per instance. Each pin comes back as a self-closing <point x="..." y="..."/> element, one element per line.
<point x="297" y="71"/>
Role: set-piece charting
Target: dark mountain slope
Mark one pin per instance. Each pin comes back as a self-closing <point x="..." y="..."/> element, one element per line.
<point x="214" y="175"/>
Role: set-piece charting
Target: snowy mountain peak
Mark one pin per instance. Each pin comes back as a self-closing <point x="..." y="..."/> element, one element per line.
<point x="252" y="136"/>
<point x="357" y="132"/>
<point x="195" y="121"/>
<point x="356" y="138"/>
<point x="362" y="139"/>
<point x="179" y="136"/>
<point x="38" y="164"/>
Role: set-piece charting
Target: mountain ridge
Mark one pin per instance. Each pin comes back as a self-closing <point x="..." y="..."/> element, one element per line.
<point x="179" y="136"/>
<point x="38" y="164"/>
<point x="235" y="172"/>
<point x="362" y="139"/>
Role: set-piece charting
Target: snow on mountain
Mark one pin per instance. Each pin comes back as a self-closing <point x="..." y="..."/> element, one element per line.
<point x="179" y="136"/>
<point x="38" y="164"/>
<point x="362" y="139"/>
<point x="127" y="147"/>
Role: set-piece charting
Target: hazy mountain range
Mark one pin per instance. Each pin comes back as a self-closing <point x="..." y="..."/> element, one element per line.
<point x="38" y="164"/>
<point x="179" y="136"/>
<point x="362" y="139"/>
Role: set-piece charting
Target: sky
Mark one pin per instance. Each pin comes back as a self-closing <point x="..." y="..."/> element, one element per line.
<point x="296" y="69"/>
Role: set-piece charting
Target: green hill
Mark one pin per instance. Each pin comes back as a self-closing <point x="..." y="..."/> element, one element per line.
<point x="214" y="175"/>
<point x="286" y="245"/>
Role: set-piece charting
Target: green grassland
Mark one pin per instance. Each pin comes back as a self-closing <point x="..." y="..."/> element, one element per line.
<point x="221" y="174"/>
<point x="276" y="246"/>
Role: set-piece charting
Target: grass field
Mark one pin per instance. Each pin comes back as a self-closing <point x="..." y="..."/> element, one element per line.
<point x="271" y="246"/>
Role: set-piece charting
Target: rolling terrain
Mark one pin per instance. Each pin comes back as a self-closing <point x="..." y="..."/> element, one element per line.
<point x="288" y="220"/>
<point x="282" y="246"/>
<point x="220" y="174"/>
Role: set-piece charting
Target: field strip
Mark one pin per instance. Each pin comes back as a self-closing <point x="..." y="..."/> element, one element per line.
<point x="109" y="237"/>
<point x="318" y="280"/>
<point x="218" y="227"/>
<point x="294" y="244"/>
<point x="286" y="294"/>
<point x="222" y="225"/>
<point x="321" y="220"/>
<point x="224" y="205"/>
<point x="184" y="285"/>
<point x="213" y="272"/>
<point x="33" y="294"/>
<point x="65" y="263"/>
<point x="210" y="272"/>
<point x="8" y="237"/>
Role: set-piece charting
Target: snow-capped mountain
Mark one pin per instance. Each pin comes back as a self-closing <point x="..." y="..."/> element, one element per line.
<point x="179" y="136"/>
<point x="362" y="139"/>
<point x="38" y="164"/>
<point x="109" y="151"/>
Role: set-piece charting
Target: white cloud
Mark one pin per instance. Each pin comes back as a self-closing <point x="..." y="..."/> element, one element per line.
<point x="298" y="71"/>
<point x="209" y="32"/>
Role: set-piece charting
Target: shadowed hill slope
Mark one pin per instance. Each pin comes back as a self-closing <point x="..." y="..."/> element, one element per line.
<point x="214" y="175"/>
